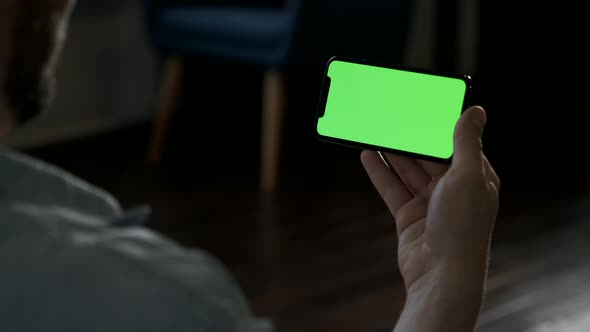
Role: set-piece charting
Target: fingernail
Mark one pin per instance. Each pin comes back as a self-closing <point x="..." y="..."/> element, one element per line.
<point x="480" y="118"/>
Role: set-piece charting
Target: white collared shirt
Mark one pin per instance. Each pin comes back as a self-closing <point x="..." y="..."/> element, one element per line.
<point x="72" y="260"/>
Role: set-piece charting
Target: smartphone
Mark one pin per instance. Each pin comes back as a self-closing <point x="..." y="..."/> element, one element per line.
<point x="391" y="108"/>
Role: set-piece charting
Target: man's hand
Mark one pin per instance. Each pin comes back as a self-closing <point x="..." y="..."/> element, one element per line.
<point x="444" y="217"/>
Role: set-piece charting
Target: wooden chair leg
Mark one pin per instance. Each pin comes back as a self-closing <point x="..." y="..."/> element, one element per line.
<point x="169" y="91"/>
<point x="420" y="46"/>
<point x="468" y="27"/>
<point x="273" y="109"/>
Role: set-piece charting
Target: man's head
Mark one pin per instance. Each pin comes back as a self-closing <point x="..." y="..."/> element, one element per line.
<point x="32" y="33"/>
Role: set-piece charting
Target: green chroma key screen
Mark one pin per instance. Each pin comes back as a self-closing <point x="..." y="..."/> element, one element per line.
<point x="389" y="108"/>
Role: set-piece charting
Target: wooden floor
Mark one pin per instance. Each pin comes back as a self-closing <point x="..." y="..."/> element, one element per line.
<point x="321" y="255"/>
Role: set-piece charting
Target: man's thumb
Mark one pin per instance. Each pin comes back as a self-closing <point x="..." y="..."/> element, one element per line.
<point x="467" y="140"/>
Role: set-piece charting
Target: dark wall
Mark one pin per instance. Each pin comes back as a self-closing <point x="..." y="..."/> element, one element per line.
<point x="532" y="79"/>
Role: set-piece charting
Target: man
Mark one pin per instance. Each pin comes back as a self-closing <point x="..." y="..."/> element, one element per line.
<point x="70" y="261"/>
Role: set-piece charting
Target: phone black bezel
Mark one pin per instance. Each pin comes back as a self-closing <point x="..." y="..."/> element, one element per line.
<point x="326" y="88"/>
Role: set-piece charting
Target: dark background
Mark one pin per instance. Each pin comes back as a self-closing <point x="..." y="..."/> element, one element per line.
<point x="531" y="78"/>
<point x="532" y="81"/>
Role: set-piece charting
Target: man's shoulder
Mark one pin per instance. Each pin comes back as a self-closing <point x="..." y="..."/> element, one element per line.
<point x="25" y="178"/>
<point x="72" y="263"/>
<point x="67" y="263"/>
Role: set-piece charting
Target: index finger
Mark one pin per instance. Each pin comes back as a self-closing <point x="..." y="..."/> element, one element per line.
<point x="389" y="186"/>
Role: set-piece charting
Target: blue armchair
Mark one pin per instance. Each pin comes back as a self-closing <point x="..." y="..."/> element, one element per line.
<point x="300" y="31"/>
